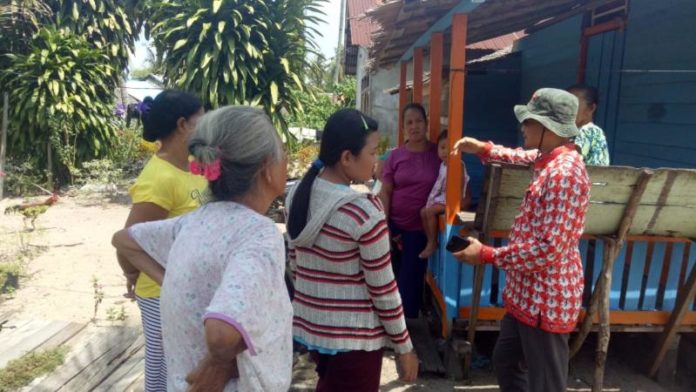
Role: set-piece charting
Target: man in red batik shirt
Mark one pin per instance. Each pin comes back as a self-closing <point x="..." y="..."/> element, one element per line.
<point x="544" y="282"/>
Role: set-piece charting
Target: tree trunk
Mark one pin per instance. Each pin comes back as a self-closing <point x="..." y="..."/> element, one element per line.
<point x="3" y="141"/>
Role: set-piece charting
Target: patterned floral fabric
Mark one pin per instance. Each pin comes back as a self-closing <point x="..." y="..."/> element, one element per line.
<point x="224" y="262"/>
<point x="593" y="145"/>
<point x="544" y="282"/>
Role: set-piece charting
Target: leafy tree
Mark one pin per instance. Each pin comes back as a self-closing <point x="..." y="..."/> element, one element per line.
<point x="111" y="25"/>
<point x="19" y="20"/>
<point x="62" y="92"/>
<point x="237" y="51"/>
<point x="320" y="105"/>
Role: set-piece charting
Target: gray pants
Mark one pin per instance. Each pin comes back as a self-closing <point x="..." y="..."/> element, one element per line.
<point x="530" y="359"/>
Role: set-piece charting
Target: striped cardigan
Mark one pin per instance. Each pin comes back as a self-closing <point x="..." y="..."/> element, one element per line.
<point x="346" y="297"/>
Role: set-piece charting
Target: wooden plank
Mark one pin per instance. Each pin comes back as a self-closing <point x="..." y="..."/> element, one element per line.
<point x="635" y="278"/>
<point x="439" y="301"/>
<point x="601" y="294"/>
<point x="495" y="326"/>
<point x="92" y="361"/>
<point x="138" y="385"/>
<point x="684" y="301"/>
<point x="64" y="336"/>
<point x="676" y="221"/>
<point x="28" y="338"/>
<point x="425" y="347"/>
<point x="128" y="372"/>
<point x="436" y="61"/>
<point x="7" y="326"/>
<point x="485" y="297"/>
<point x="661" y="212"/>
<point x="616" y="317"/>
<point x="617" y="282"/>
<point x="672" y="285"/>
<point x="418" y="76"/>
<point x="455" y="126"/>
<point x="610" y="251"/>
<point x="403" y="99"/>
<point x="652" y="280"/>
<point x="601" y="219"/>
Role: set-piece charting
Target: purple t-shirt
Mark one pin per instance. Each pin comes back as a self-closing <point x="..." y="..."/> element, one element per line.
<point x="413" y="175"/>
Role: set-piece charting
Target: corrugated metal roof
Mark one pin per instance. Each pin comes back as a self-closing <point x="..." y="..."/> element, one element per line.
<point x="402" y="23"/>
<point x="361" y="28"/>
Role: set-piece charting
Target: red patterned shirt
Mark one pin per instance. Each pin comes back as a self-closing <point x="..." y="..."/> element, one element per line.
<point x="544" y="281"/>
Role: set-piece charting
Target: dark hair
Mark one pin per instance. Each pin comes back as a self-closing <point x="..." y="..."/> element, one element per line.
<point x="243" y="139"/>
<point x="345" y="130"/>
<point x="163" y="112"/>
<point x="415" y="106"/>
<point x="588" y="92"/>
<point x="443" y="136"/>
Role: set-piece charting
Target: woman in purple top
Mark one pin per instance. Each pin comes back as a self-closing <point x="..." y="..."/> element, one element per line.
<point x="409" y="175"/>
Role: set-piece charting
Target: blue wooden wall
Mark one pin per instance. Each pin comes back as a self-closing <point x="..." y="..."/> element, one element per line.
<point x="656" y="122"/>
<point x="550" y="57"/>
<point x="491" y="92"/>
<point x="646" y="76"/>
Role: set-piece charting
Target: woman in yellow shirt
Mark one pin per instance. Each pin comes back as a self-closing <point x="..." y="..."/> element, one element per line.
<point x="164" y="189"/>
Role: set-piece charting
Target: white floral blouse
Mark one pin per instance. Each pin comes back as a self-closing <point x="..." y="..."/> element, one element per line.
<point x="225" y="262"/>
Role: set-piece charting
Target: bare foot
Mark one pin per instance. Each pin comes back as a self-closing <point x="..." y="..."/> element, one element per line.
<point x="428" y="251"/>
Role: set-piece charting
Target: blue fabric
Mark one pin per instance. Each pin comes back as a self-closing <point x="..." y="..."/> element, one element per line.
<point x="410" y="270"/>
<point x="320" y="350"/>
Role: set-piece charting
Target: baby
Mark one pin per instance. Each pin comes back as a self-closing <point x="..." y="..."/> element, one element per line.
<point x="436" y="200"/>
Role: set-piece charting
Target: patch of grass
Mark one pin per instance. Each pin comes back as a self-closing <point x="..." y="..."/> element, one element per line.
<point x="116" y="314"/>
<point x="23" y="370"/>
<point x="9" y="276"/>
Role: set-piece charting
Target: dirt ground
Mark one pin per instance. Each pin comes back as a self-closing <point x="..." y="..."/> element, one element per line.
<point x="73" y="238"/>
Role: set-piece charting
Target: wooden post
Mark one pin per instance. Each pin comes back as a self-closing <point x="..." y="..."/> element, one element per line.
<point x="624" y="226"/>
<point x="418" y="75"/>
<point x="493" y="186"/>
<point x="584" y="45"/>
<point x="685" y="298"/>
<point x="49" y="157"/>
<point x="456" y="113"/>
<point x="610" y="253"/>
<point x="436" y="58"/>
<point x="3" y="140"/>
<point x="403" y="99"/>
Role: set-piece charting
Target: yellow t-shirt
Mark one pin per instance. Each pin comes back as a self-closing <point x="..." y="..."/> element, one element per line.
<point x="171" y="188"/>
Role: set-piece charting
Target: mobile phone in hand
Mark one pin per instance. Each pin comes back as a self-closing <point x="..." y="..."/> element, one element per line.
<point x="457" y="244"/>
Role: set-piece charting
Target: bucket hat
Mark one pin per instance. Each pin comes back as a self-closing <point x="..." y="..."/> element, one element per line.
<point x="555" y="109"/>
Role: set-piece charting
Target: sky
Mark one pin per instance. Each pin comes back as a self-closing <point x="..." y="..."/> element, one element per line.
<point x="327" y="43"/>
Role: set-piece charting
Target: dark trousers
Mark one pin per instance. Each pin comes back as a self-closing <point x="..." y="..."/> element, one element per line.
<point x="530" y="359"/>
<point x="410" y="270"/>
<point x="351" y="371"/>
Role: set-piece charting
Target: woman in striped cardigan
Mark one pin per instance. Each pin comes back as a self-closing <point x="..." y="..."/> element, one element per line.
<point x="347" y="304"/>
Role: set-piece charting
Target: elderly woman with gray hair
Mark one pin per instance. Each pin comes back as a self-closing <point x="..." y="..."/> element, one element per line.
<point x="224" y="326"/>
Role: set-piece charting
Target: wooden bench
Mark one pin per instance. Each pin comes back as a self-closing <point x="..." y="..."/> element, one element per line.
<point x="638" y="256"/>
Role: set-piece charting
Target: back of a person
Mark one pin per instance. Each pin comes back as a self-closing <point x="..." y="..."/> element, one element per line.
<point x="329" y="272"/>
<point x="196" y="265"/>
<point x="180" y="186"/>
<point x="347" y="307"/>
<point x="164" y="184"/>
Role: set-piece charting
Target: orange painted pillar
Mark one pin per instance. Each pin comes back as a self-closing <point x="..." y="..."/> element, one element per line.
<point x="418" y="75"/>
<point x="456" y="113"/>
<point x="436" y="58"/>
<point x="403" y="99"/>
